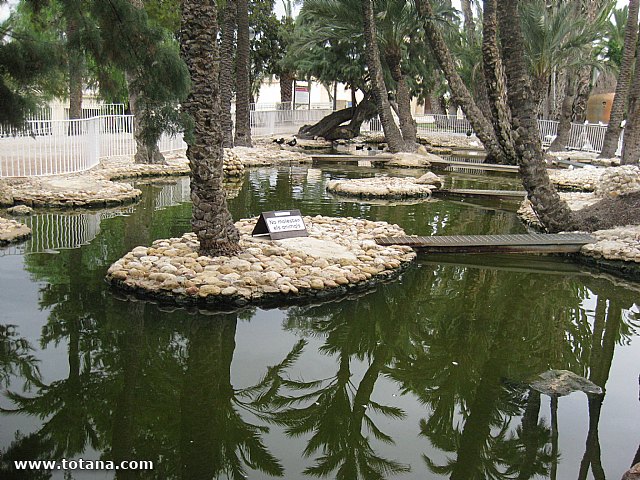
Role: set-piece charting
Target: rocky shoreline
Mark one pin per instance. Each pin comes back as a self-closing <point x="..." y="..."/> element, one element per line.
<point x="616" y="250"/>
<point x="340" y="256"/>
<point x="98" y="188"/>
<point x="12" y="231"/>
<point x="386" y="187"/>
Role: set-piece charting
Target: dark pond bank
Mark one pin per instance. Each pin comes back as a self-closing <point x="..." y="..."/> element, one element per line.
<point x="421" y="378"/>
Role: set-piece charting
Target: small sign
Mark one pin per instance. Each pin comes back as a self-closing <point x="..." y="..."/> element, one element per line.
<point x="280" y="224"/>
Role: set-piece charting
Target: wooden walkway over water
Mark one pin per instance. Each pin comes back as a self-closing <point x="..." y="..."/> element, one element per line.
<point x="443" y="163"/>
<point x="522" y="243"/>
<point x="468" y="192"/>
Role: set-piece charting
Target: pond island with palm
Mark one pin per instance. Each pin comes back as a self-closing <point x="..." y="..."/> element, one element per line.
<point x="432" y="370"/>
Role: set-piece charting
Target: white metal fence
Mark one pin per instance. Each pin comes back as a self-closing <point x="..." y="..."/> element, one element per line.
<point x="587" y="137"/>
<point x="45" y="146"/>
<point x="48" y="147"/>
<point x="284" y="121"/>
<point x="287" y="106"/>
<point x="59" y="231"/>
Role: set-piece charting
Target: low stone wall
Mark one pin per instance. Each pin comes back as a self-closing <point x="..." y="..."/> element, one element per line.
<point x="618" y="181"/>
<point x="580" y="179"/>
<point x="97" y="187"/>
<point x="616" y="244"/>
<point x="339" y="256"/>
<point x="77" y="191"/>
<point x="267" y="155"/>
<point x="12" y="231"/>
<point x="386" y="187"/>
<point x="609" y="181"/>
<point x="603" y="182"/>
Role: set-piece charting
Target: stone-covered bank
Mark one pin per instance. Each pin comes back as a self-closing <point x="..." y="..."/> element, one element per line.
<point x="339" y="256"/>
<point x="12" y="231"/>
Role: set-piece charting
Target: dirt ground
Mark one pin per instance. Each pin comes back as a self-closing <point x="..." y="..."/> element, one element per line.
<point x="609" y="213"/>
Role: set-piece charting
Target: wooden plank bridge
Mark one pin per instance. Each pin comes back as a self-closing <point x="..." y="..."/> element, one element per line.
<point x="442" y="163"/>
<point x="491" y="167"/>
<point x="468" y="192"/>
<point x="522" y="243"/>
<point x="351" y="158"/>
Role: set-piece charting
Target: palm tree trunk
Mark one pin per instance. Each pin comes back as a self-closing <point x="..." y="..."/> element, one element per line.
<point x="610" y="144"/>
<point x="564" y="125"/>
<point x="496" y="82"/>
<point x="378" y="88"/>
<point x="631" y="146"/>
<point x="553" y="212"/>
<point x="226" y="71"/>
<point x="286" y="88"/>
<point x="435" y="102"/>
<point x="243" y="93"/>
<point x="211" y="220"/>
<point x="469" y="23"/>
<point x="408" y="125"/>
<point x="76" y="68"/>
<point x="583" y="90"/>
<point x="460" y="94"/>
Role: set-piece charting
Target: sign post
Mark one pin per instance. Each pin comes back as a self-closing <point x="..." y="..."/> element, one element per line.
<point x="280" y="224"/>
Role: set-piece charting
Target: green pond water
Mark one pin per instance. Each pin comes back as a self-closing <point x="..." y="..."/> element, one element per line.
<point x="422" y="378"/>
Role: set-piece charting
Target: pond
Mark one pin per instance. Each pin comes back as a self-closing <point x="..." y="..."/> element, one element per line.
<point x="425" y="377"/>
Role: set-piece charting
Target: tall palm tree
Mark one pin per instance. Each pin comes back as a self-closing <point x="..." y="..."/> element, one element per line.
<point x="336" y="23"/>
<point x="146" y="151"/>
<point x="287" y="75"/>
<point x="578" y="45"/>
<point x="461" y="95"/>
<point x="211" y="220"/>
<point x="226" y="70"/>
<point x="610" y="144"/>
<point x="553" y="212"/>
<point x="552" y="43"/>
<point x="631" y="146"/>
<point x="243" y="85"/>
<point x="496" y="81"/>
<point x="378" y="87"/>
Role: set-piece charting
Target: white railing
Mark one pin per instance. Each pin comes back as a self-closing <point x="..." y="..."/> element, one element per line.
<point x="62" y="231"/>
<point x="287" y="106"/>
<point x="274" y="122"/>
<point x="548" y="131"/>
<point x="587" y="137"/>
<point x="64" y="146"/>
<point x="48" y="147"/>
<point x="443" y="123"/>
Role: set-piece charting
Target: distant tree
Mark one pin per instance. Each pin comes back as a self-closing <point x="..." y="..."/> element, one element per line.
<point x="24" y="61"/>
<point x="460" y="93"/>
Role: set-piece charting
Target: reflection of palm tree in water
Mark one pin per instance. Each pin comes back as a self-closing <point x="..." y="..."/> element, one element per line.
<point x="606" y="332"/>
<point x="336" y="412"/>
<point x="16" y="357"/>
<point x="214" y="438"/>
<point x="66" y="404"/>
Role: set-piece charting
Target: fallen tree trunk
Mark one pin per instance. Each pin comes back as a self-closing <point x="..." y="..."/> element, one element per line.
<point x="331" y="128"/>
